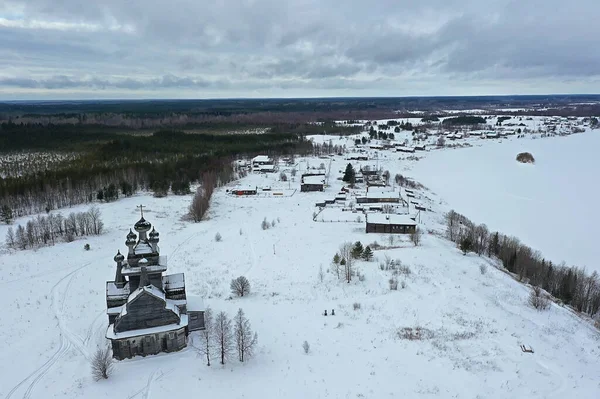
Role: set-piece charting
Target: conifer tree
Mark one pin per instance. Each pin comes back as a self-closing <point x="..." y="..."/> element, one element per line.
<point x="367" y="254"/>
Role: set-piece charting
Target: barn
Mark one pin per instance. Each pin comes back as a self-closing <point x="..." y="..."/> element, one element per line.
<point x="312" y="183"/>
<point x="390" y="223"/>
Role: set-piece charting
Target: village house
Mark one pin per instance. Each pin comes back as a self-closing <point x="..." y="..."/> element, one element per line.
<point x="244" y="191"/>
<point x="379" y="197"/>
<point x="148" y="312"/>
<point x="390" y="223"/>
<point x="311" y="182"/>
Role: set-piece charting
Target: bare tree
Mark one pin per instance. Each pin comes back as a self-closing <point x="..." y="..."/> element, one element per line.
<point x="240" y="286"/>
<point x="416" y="236"/>
<point x="538" y="299"/>
<point x="102" y="364"/>
<point x="95" y="221"/>
<point x="222" y="336"/>
<point x="348" y="265"/>
<point x="207" y="335"/>
<point x="245" y="341"/>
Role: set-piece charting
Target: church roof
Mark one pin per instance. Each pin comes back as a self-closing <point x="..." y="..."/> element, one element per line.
<point x="142" y="248"/>
<point x="111" y="334"/>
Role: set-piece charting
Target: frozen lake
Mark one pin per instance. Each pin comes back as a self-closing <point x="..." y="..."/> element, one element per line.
<point x="550" y="206"/>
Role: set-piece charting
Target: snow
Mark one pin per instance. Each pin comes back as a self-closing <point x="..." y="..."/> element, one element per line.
<point x="261" y="158"/>
<point x="55" y="297"/>
<point x="380" y="218"/>
<point x="195" y="303"/>
<point x="549" y="205"/>
<point x="313" y="179"/>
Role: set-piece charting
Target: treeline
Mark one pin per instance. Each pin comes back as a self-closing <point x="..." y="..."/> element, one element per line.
<point x="463" y="120"/>
<point x="571" y="285"/>
<point x="164" y="161"/>
<point x="46" y="230"/>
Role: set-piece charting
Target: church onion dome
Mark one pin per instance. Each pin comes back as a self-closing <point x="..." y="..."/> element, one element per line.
<point x="153" y="235"/>
<point x="119" y="257"/>
<point x="142" y="225"/>
<point x="131" y="235"/>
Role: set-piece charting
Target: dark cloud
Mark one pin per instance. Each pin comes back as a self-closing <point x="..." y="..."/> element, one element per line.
<point x="396" y="47"/>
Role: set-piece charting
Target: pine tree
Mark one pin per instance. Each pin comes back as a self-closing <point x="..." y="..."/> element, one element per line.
<point x="357" y="250"/>
<point x="336" y="259"/>
<point x="245" y="341"/>
<point x="349" y="175"/>
<point x="6" y="214"/>
<point x="367" y="254"/>
<point x="465" y="245"/>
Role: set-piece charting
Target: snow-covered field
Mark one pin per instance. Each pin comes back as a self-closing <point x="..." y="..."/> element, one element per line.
<point x="53" y="302"/>
<point x="550" y="206"/>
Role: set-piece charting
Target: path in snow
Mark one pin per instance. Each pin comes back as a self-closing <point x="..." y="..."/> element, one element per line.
<point x="65" y="344"/>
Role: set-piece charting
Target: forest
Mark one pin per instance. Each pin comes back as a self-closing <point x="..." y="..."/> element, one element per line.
<point x="67" y="165"/>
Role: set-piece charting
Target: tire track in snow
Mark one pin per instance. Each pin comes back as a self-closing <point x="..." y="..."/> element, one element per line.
<point x="145" y="391"/>
<point x="34" y="377"/>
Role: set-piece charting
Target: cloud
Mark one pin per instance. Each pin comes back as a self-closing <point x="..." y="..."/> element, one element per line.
<point x="233" y="47"/>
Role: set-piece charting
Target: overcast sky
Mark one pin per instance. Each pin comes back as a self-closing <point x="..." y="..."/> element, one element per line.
<point x="57" y="49"/>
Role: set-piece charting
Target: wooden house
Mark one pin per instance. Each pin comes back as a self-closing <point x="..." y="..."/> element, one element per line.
<point x="379" y="197"/>
<point x="390" y="223"/>
<point x="148" y="312"/>
<point x="310" y="182"/>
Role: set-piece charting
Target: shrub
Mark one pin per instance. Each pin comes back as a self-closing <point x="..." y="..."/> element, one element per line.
<point x="415" y="237"/>
<point x="240" y="286"/>
<point x="218" y="237"/>
<point x="86" y="247"/>
<point x="415" y="334"/>
<point x="356" y="306"/>
<point x="538" y="299"/>
<point x="403" y="284"/>
<point x="393" y="284"/>
<point x="306" y="347"/>
<point x="525" y="157"/>
<point x="102" y="364"/>
<point x="264" y="224"/>
<point x="483" y="268"/>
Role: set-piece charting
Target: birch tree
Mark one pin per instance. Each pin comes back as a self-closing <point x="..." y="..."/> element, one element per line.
<point x="245" y="341"/>
<point x="206" y="335"/>
<point x="223" y="338"/>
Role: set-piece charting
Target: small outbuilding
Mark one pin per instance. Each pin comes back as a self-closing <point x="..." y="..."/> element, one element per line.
<point x="390" y="223"/>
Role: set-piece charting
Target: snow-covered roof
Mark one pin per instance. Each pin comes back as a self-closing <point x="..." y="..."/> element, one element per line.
<point x="266" y="167"/>
<point x="174" y="281"/>
<point x="261" y="158"/>
<point x="111" y="334"/>
<point x="379" y="194"/>
<point x="313" y="179"/>
<point x="154" y="291"/>
<point x="382" y="218"/>
<point x="113" y="291"/>
<point x="142" y="248"/>
<point x="195" y="303"/>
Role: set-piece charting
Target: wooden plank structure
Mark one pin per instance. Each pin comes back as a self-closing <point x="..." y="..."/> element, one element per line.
<point x="148" y="312"/>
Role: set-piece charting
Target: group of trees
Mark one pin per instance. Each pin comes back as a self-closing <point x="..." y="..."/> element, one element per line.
<point x="343" y="261"/>
<point x="222" y="340"/>
<point x="571" y="285"/>
<point x="201" y="200"/>
<point x="109" y="164"/>
<point x="45" y="230"/>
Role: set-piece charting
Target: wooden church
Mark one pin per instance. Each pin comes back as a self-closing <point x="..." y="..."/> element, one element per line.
<point x="148" y="311"/>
